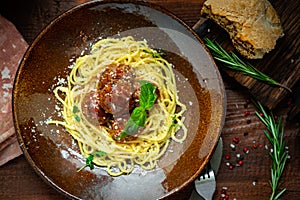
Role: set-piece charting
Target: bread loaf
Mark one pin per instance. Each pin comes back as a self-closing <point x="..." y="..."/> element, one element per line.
<point x="253" y="25"/>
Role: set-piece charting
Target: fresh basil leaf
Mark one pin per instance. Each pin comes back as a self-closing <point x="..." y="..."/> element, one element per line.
<point x="130" y="128"/>
<point x="137" y="119"/>
<point x="148" y="95"/>
<point x="123" y="134"/>
<point x="139" y="116"/>
<point x="143" y="82"/>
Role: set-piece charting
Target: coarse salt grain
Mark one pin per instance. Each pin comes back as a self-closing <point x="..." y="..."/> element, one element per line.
<point x="61" y="81"/>
<point x="286" y="147"/>
<point x="5" y="94"/>
<point x="65" y="154"/>
<point x="3" y="109"/>
<point x="57" y="108"/>
<point x="5" y="73"/>
<point x="7" y="86"/>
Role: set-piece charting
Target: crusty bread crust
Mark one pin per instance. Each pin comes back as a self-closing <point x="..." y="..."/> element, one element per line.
<point x="253" y="25"/>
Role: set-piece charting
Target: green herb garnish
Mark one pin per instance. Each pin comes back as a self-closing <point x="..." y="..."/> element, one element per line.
<point x="174" y="122"/>
<point x="138" y="117"/>
<point x="89" y="160"/>
<point x="279" y="155"/>
<point x="148" y="95"/>
<point x="232" y="61"/>
<point x="75" y="110"/>
<point x="77" y="118"/>
<point x="155" y="54"/>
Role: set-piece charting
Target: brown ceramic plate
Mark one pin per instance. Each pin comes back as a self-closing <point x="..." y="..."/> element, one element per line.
<point x="51" y="150"/>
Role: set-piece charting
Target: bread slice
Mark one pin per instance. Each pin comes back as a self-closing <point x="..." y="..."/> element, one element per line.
<point x="253" y="25"/>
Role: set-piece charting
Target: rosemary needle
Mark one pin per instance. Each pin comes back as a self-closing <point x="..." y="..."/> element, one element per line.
<point x="279" y="155"/>
<point x="232" y="61"/>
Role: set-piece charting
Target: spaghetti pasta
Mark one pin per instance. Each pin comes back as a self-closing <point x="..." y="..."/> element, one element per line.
<point x="98" y="80"/>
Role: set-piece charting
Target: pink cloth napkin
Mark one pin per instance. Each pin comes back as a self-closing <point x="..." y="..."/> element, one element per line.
<point x="12" y="49"/>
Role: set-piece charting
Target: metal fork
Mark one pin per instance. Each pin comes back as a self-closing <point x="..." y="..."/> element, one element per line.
<point x="206" y="183"/>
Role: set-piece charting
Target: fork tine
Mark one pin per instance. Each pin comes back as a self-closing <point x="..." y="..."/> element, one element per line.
<point x="205" y="172"/>
<point x="206" y="175"/>
<point x="205" y="184"/>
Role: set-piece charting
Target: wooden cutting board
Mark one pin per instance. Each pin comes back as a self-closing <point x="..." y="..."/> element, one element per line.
<point x="282" y="63"/>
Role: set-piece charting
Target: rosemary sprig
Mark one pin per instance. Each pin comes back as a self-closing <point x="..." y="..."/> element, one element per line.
<point x="232" y="61"/>
<point x="279" y="155"/>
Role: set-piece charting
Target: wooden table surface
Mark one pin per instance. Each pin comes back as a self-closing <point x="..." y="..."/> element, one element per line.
<point x="249" y="181"/>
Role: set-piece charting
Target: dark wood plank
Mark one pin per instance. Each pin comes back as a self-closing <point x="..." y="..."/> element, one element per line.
<point x="251" y="180"/>
<point x="19" y="181"/>
<point x="282" y="63"/>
